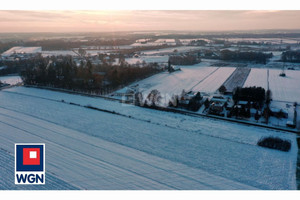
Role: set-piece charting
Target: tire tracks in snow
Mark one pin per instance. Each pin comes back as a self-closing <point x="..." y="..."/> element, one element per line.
<point x="120" y="114"/>
<point x="118" y="154"/>
<point x="205" y="78"/>
<point x="89" y="157"/>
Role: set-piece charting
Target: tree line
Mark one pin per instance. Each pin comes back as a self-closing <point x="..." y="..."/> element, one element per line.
<point x="184" y="59"/>
<point x="290" y="56"/>
<point x="252" y="56"/>
<point x="63" y="72"/>
<point x="254" y="94"/>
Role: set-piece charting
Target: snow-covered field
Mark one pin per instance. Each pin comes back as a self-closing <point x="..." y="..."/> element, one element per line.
<point x="285" y="88"/>
<point x="282" y="88"/>
<point x="58" y="53"/>
<point x="181" y="49"/>
<point x="286" y="107"/>
<point x="12" y="80"/>
<point x="209" y="79"/>
<point x="212" y="83"/>
<point x="258" y="78"/>
<point x="271" y="40"/>
<point x="141" y="148"/>
<point x="7" y="176"/>
<point x="148" y="59"/>
<point x="30" y="50"/>
<point x="173" y="84"/>
<point x="285" y="91"/>
<point x="104" y="47"/>
<point x="139" y="44"/>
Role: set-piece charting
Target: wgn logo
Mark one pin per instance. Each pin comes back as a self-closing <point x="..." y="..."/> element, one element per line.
<point x="30" y="163"/>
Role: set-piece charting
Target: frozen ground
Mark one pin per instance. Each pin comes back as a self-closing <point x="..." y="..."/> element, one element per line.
<point x="58" y="53"/>
<point x="169" y="84"/>
<point x="148" y="59"/>
<point x="288" y="108"/>
<point x="208" y="80"/>
<point x="181" y="49"/>
<point x="12" y="80"/>
<point x="285" y="88"/>
<point x="7" y="176"/>
<point x="236" y="79"/>
<point x="141" y="149"/>
<point x="22" y="50"/>
<point x="285" y="91"/>
<point x="271" y="40"/>
<point x="258" y="78"/>
<point x="213" y="82"/>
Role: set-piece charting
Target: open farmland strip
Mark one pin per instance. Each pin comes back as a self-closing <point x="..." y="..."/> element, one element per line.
<point x="215" y="80"/>
<point x="285" y="88"/>
<point x="257" y="77"/>
<point x="237" y="78"/>
<point x="204" y="78"/>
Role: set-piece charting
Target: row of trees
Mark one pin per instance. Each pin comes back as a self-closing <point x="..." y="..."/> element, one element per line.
<point x="290" y="56"/>
<point x="16" y="66"/>
<point x="257" y="57"/>
<point x="64" y="73"/>
<point x="254" y="94"/>
<point x="136" y="49"/>
<point x="259" y="98"/>
<point x="7" y="45"/>
<point x="198" y="43"/>
<point x="62" y="44"/>
<point x="184" y="59"/>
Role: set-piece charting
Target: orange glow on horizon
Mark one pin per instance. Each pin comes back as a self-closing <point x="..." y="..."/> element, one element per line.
<point x="141" y="20"/>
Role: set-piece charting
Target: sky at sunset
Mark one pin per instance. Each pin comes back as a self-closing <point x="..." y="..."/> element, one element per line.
<point x="145" y="20"/>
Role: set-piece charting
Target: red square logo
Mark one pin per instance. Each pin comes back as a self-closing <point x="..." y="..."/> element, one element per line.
<point x="31" y="156"/>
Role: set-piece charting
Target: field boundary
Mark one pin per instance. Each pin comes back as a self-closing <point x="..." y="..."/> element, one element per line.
<point x="237" y="78"/>
<point x="173" y="110"/>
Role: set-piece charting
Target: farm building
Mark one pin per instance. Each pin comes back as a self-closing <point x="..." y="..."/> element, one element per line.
<point x="217" y="105"/>
<point x="190" y="100"/>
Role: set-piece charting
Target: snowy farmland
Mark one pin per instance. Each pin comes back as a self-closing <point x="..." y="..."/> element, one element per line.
<point x="58" y="53"/>
<point x="181" y="49"/>
<point x="21" y="50"/>
<point x="11" y="79"/>
<point x="209" y="79"/>
<point x="282" y="88"/>
<point x="171" y="84"/>
<point x="195" y="78"/>
<point x="137" y="148"/>
<point x="266" y="40"/>
<point x="258" y="78"/>
<point x="285" y="88"/>
<point x="148" y="59"/>
<point x="212" y="83"/>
